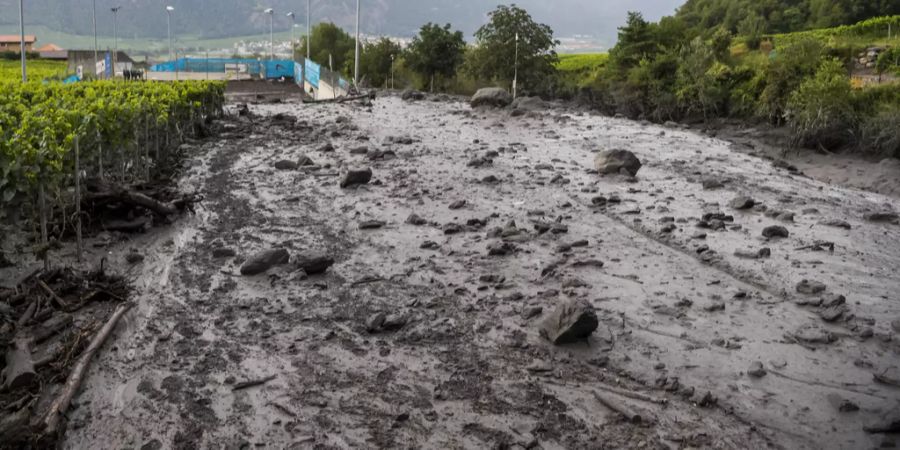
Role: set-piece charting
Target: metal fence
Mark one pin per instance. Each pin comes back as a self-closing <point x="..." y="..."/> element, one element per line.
<point x="319" y="81"/>
<point x="268" y="69"/>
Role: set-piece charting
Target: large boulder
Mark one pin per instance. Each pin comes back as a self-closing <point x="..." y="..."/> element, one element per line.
<point x="570" y="322"/>
<point x="495" y="97"/>
<point x="614" y="161"/>
<point x="265" y="260"/>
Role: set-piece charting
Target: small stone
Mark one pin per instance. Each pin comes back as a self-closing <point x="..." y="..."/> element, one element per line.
<point x="500" y="248"/>
<point x="756" y="370"/>
<point x="532" y="312"/>
<point x="414" y="219"/>
<point x="882" y="216"/>
<point x="375" y="321"/>
<point x="459" y="204"/>
<point x="305" y="161"/>
<point x="429" y="245"/>
<point x="359" y="150"/>
<point x="371" y="224"/>
<point x="394" y="321"/>
<point x="134" y="258"/>
<point x="223" y="252"/>
<point x="775" y="231"/>
<point x="848" y="406"/>
<point x="327" y="148"/>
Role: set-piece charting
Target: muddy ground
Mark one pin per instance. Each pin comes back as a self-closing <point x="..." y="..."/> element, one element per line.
<point x="685" y="311"/>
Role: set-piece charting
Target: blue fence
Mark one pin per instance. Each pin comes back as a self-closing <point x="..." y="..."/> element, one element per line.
<point x="269" y="69"/>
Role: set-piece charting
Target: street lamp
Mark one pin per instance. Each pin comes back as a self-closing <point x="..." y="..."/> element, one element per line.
<point x="293" y="25"/>
<point x="115" y="58"/>
<point x="94" y="15"/>
<point x="271" y="13"/>
<point x="356" y="59"/>
<point x="169" y="10"/>
<point x="516" y="68"/>
<point x="308" y="31"/>
<point x="22" y="42"/>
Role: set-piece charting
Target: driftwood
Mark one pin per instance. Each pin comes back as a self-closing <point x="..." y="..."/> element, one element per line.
<point x="14" y="426"/>
<point x="342" y="99"/>
<point x="19" y="371"/>
<point x="614" y="405"/>
<point x="50" y="327"/>
<point x="73" y="382"/>
<point x="59" y="301"/>
<point x="633" y="394"/>
<point x="251" y="383"/>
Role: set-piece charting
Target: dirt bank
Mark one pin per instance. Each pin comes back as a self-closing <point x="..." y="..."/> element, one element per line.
<point x="684" y="314"/>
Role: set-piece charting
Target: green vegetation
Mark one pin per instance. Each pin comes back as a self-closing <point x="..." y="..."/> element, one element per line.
<point x="436" y="52"/>
<point x="375" y="60"/>
<point x="38" y="69"/>
<point x="330" y="43"/>
<point x="511" y="31"/>
<point x="578" y="71"/>
<point x="116" y="123"/>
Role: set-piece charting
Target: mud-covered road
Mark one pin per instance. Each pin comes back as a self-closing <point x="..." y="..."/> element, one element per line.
<point x="686" y="305"/>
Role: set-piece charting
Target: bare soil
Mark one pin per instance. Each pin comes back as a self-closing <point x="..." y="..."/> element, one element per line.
<point x="684" y="314"/>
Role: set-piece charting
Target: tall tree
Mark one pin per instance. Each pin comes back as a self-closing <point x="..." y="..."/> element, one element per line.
<point x="494" y="55"/>
<point x="375" y="61"/>
<point x="436" y="52"/>
<point x="329" y="39"/>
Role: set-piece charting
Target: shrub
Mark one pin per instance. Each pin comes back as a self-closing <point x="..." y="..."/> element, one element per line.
<point x="821" y="111"/>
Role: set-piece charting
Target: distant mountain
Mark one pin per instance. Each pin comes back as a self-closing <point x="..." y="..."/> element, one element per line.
<point x="226" y="18"/>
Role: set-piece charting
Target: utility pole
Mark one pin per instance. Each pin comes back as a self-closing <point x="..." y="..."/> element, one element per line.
<point x="293" y="25"/>
<point x="271" y="13"/>
<point x="22" y="41"/>
<point x="356" y="59"/>
<point x="115" y="58"/>
<point x="308" y="29"/>
<point x="94" y="15"/>
<point x="169" y="10"/>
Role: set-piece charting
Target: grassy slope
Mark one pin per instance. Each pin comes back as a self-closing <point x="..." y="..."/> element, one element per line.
<point x="579" y="70"/>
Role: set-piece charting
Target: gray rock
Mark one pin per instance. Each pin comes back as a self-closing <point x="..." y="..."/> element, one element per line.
<point x="313" y="263"/>
<point x="223" y="252"/>
<point x="265" y="260"/>
<point x="742" y="202"/>
<point x="813" y="335"/>
<point x="495" y="97"/>
<point x="882" y="216"/>
<point x="359" y="150"/>
<point x="355" y="177"/>
<point x="810" y="287"/>
<point x="285" y="164"/>
<point x="837" y="223"/>
<point x="459" y="204"/>
<point x="414" y="219"/>
<point x="371" y="224"/>
<point x="712" y="183"/>
<point x="305" y="161"/>
<point x="895" y="324"/>
<point x="571" y="321"/>
<point x="614" y="161"/>
<point x="375" y="321"/>
<point x="756" y="370"/>
<point x="529" y="104"/>
<point x="775" y="231"/>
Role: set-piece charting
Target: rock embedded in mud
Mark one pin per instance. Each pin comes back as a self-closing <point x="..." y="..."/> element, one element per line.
<point x="615" y="161"/>
<point x="847" y="406"/>
<point x="881" y="216"/>
<point x="371" y="224"/>
<point x="571" y="321"/>
<point x="742" y="202"/>
<point x="837" y="223"/>
<point x="222" y="252"/>
<point x="414" y="219"/>
<point x="285" y="164"/>
<point x="265" y="260"/>
<point x="412" y="95"/>
<point x="500" y="248"/>
<point x="756" y="370"/>
<point x="359" y="150"/>
<point x="495" y="97"/>
<point x="313" y="263"/>
<point x="375" y="321"/>
<point x="327" y="148"/>
<point x="305" y="161"/>
<point x="459" y="204"/>
<point x="355" y="177"/>
<point x="711" y="183"/>
<point x="775" y="231"/>
<point x="810" y="287"/>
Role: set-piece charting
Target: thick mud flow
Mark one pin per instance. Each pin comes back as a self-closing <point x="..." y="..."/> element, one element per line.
<point x="696" y="307"/>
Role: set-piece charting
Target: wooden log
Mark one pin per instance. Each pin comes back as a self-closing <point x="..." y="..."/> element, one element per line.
<point x="59" y="301"/>
<point x="19" y="371"/>
<point x="73" y="382"/>
<point x="50" y="327"/>
<point x="14" y="427"/>
<point x="620" y="408"/>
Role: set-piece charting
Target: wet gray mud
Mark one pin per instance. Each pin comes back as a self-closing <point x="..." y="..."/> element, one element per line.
<point x="688" y="310"/>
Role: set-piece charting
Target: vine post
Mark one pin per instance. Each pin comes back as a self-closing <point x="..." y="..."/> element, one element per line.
<point x="77" y="201"/>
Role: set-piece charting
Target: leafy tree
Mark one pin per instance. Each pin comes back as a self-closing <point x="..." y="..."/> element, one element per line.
<point x="375" y="60"/>
<point x="820" y="111"/>
<point x="636" y="42"/>
<point x="436" y="52"/>
<point x="785" y="72"/>
<point x="329" y="39"/>
<point x="703" y="78"/>
<point x="494" y="56"/>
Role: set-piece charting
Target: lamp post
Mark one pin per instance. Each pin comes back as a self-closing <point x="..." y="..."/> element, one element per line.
<point x="308" y="30"/>
<point x="271" y="13"/>
<point x="356" y="58"/>
<point x="115" y="58"/>
<point x="94" y="15"/>
<point x="169" y="10"/>
<point x="516" y="68"/>
<point x="22" y="41"/>
<point x="293" y="25"/>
